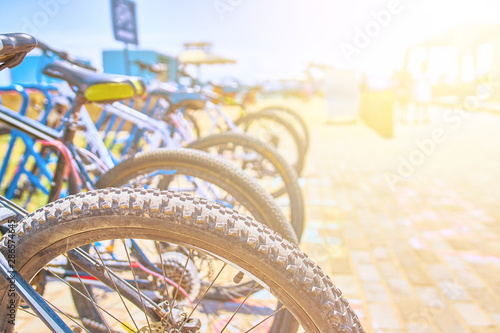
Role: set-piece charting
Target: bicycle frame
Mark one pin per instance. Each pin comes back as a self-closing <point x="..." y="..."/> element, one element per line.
<point x="153" y="121"/>
<point x="30" y="296"/>
<point x="27" y="129"/>
<point x="19" y="286"/>
<point x="35" y="129"/>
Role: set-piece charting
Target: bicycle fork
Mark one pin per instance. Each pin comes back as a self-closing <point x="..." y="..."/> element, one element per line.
<point x="17" y="285"/>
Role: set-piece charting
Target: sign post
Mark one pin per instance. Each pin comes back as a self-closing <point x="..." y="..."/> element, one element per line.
<point x="124" y="20"/>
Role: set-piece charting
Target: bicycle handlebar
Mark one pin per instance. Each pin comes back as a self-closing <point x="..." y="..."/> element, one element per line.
<point x="64" y="56"/>
<point x="149" y="67"/>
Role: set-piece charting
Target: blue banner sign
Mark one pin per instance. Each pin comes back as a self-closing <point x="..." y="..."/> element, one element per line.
<point x="124" y="21"/>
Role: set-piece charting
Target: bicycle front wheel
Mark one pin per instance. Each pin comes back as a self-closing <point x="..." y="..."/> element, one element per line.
<point x="285" y="278"/>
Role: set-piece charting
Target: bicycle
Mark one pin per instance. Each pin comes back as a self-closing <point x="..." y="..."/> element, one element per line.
<point x="300" y="285"/>
<point x="268" y="125"/>
<point x="259" y="160"/>
<point x="163" y="218"/>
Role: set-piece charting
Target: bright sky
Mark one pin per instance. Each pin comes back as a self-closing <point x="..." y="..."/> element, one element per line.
<point x="268" y="38"/>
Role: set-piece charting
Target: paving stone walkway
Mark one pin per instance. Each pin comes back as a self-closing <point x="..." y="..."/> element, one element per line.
<point x="409" y="228"/>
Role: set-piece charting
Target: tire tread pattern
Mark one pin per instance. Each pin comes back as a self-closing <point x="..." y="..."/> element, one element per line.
<point x="319" y="298"/>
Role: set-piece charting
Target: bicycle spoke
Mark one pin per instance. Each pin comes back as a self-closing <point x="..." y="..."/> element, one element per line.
<point x="116" y="288"/>
<point x="239" y="307"/>
<point x="263" y="320"/>
<point x="79" y="292"/>
<point x="157" y="244"/>
<point x="202" y="297"/>
<point x="179" y="284"/>
<point x="29" y="312"/>
<point x="136" y="283"/>
<point x="88" y="293"/>
<point x="210" y="316"/>
<point x="233" y="295"/>
<point x="65" y="314"/>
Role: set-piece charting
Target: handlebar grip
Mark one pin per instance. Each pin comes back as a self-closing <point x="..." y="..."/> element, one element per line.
<point x="13" y="49"/>
<point x="16" y="43"/>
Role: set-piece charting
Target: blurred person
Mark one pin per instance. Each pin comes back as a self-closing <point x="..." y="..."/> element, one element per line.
<point x="422" y="96"/>
<point x="342" y="96"/>
<point x="403" y="86"/>
<point x="363" y="85"/>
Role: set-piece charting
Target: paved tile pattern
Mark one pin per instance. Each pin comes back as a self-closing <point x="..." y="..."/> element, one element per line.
<point x="409" y="228"/>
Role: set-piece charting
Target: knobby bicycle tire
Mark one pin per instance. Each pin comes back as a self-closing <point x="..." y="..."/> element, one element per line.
<point x="270" y="154"/>
<point x="246" y="121"/>
<point x="214" y="170"/>
<point x="304" y="129"/>
<point x="279" y="265"/>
